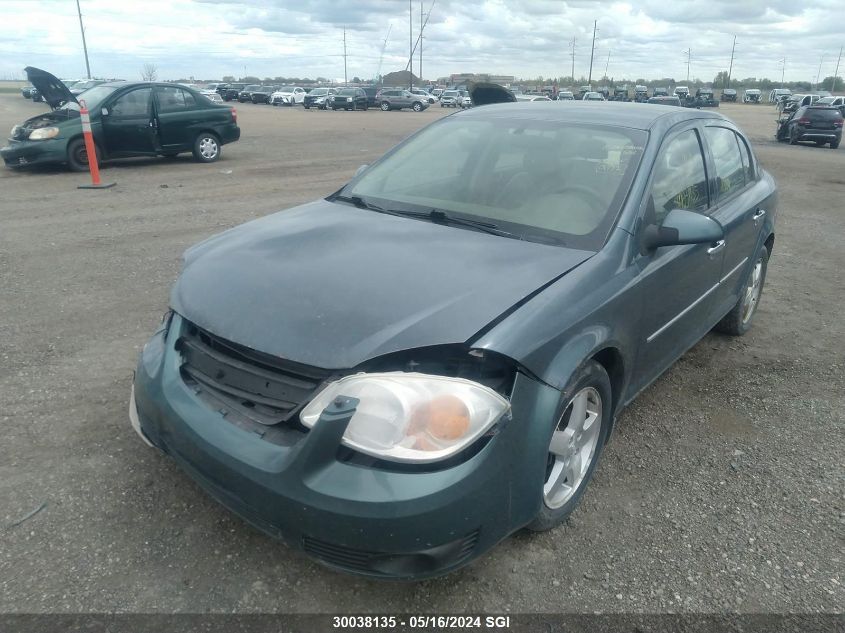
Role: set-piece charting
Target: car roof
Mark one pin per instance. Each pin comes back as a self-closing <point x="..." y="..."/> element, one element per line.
<point x="630" y="115"/>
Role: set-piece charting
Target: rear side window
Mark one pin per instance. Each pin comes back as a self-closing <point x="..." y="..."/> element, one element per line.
<point x="730" y="172"/>
<point x="680" y="180"/>
<point x="174" y="99"/>
<point x="747" y="160"/>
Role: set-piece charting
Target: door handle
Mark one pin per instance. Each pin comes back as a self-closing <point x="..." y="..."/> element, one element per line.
<point x="715" y="248"/>
<point x="758" y="215"/>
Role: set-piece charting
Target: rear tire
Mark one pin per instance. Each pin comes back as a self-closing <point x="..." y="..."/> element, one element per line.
<point x="738" y="321"/>
<point x="417" y="107"/>
<point x="834" y="144"/>
<point x="206" y="148"/>
<point x="586" y="401"/>
<point x="77" y="155"/>
<point x="385" y="106"/>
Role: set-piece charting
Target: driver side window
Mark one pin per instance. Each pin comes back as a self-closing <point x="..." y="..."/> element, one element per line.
<point x="680" y="179"/>
<point x="133" y="104"/>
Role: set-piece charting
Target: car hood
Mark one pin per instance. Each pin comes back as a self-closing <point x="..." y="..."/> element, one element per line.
<point x="331" y="285"/>
<point x="54" y="92"/>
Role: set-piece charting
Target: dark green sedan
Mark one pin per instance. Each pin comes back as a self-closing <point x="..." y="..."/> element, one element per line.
<point x="127" y="119"/>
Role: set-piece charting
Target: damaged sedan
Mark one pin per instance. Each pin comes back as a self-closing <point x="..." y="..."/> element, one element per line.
<point x="395" y="378"/>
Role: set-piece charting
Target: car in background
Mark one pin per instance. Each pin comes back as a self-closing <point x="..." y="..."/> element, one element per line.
<point x="527" y="97"/>
<point x="466" y="101"/>
<point x="424" y="95"/>
<point x="449" y="99"/>
<point x="660" y="92"/>
<point x="398" y="376"/>
<point x="372" y="95"/>
<point x="214" y="86"/>
<point x="728" y="94"/>
<point x="704" y="98"/>
<point x="231" y="91"/>
<point x="620" y="93"/>
<point x="349" y="99"/>
<point x="211" y="95"/>
<point x="288" y="96"/>
<point x="81" y="86"/>
<point x="666" y="100"/>
<point x="777" y="94"/>
<point x="437" y="92"/>
<point x="26" y="91"/>
<point x="640" y="94"/>
<point x="593" y="96"/>
<point x="752" y="95"/>
<point x="820" y="124"/>
<point x="262" y="94"/>
<point x="565" y="95"/>
<point x="318" y="98"/>
<point x="127" y="119"/>
<point x="246" y="93"/>
<point x="399" y="98"/>
<point x="833" y="101"/>
<point x="682" y="92"/>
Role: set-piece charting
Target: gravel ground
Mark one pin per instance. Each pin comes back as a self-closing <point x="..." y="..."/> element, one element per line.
<point x="721" y="491"/>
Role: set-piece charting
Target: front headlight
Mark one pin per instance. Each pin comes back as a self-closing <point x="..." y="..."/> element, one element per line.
<point x="43" y="133"/>
<point x="411" y="417"/>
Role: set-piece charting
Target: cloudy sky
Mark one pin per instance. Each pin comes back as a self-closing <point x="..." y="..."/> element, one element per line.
<point x="526" y="38"/>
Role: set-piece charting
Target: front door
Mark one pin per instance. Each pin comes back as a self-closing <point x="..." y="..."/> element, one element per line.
<point x="129" y="126"/>
<point x="678" y="282"/>
<point x="736" y="209"/>
<point x="177" y="117"/>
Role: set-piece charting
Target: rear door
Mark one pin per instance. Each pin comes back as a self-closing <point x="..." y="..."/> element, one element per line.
<point x="737" y="207"/>
<point x="129" y="128"/>
<point x="678" y="282"/>
<point x="177" y="117"/>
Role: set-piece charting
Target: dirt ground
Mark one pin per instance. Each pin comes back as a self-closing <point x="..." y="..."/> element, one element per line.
<point x="722" y="489"/>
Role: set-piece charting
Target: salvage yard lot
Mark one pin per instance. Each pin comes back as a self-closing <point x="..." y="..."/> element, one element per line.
<point x="722" y="488"/>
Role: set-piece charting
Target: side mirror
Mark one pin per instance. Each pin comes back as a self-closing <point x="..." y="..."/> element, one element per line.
<point x="682" y="227"/>
<point x="361" y="170"/>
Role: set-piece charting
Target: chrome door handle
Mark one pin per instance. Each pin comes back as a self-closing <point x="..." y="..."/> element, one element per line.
<point x="758" y="215"/>
<point x="717" y="246"/>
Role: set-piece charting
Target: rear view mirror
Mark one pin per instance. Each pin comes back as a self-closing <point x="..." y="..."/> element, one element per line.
<point x="683" y="227"/>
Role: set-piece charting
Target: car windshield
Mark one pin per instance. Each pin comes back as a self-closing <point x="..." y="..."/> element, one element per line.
<point x="546" y="181"/>
<point x="253" y="87"/>
<point x="319" y="91"/>
<point x="348" y="92"/>
<point x="450" y="93"/>
<point x="92" y="97"/>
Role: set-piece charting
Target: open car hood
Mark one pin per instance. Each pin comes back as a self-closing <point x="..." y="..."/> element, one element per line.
<point x="484" y="93"/>
<point x="55" y="93"/>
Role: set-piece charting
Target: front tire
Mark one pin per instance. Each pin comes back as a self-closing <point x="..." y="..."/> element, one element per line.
<point x="738" y="321"/>
<point x="575" y="444"/>
<point x="77" y="155"/>
<point x="206" y="148"/>
<point x="417" y="107"/>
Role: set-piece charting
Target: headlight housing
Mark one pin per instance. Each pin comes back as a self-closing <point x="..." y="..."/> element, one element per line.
<point x="43" y="133"/>
<point x="412" y="417"/>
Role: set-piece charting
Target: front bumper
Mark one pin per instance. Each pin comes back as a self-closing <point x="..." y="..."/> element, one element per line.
<point x="25" y="153"/>
<point x="391" y="523"/>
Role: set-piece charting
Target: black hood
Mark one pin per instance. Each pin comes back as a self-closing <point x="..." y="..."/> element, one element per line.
<point x="54" y="92"/>
<point x="331" y="285"/>
<point x="483" y="93"/>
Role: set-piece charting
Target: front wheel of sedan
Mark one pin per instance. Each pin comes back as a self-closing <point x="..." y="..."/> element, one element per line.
<point x="575" y="445"/>
<point x="385" y="106"/>
<point x="77" y="155"/>
<point x="738" y="321"/>
<point x="206" y="148"/>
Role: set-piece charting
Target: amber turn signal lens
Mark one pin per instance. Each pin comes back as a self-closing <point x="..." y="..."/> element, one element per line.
<point x="444" y="417"/>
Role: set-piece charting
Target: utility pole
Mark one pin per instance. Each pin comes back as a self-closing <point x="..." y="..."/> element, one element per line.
<point x="689" y="58"/>
<point x="411" y="44"/>
<point x="422" y="20"/>
<point x="731" y="67"/>
<point x="818" y="74"/>
<point x="592" y="52"/>
<point x="345" y="80"/>
<point x="607" y="64"/>
<point x="836" y="72"/>
<point x="782" y="70"/>
<point x="572" y="55"/>
<point x="84" y="45"/>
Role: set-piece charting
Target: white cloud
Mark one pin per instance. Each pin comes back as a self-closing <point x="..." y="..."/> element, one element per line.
<point x="267" y="38"/>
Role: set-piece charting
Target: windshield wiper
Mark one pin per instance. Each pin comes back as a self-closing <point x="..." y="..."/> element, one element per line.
<point x="434" y="215"/>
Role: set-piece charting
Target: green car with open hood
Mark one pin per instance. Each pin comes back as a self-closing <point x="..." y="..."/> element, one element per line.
<point x="127" y="119"/>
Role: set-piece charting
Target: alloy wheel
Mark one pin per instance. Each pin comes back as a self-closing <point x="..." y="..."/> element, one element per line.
<point x="752" y="292"/>
<point x="573" y="447"/>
